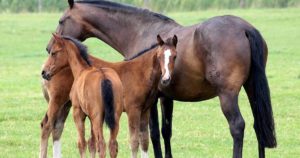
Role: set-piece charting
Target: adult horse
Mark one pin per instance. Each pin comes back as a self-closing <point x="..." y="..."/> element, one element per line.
<point x="215" y="58"/>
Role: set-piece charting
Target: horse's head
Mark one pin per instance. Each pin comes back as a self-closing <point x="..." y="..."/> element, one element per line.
<point x="57" y="59"/>
<point x="166" y="56"/>
<point x="71" y="24"/>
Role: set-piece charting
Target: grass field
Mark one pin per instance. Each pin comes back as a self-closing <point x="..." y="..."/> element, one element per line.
<point x="199" y="129"/>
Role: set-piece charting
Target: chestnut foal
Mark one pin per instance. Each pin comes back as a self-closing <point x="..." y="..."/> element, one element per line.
<point x="140" y="77"/>
<point x="96" y="93"/>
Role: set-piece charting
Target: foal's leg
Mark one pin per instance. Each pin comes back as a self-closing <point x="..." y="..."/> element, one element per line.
<point x="154" y="131"/>
<point x="144" y="134"/>
<point x="92" y="143"/>
<point x="134" y="128"/>
<point x="58" y="128"/>
<point x="47" y="124"/>
<point x="229" y="105"/>
<point x="113" y="143"/>
<point x="79" y="118"/>
<point x="167" y="112"/>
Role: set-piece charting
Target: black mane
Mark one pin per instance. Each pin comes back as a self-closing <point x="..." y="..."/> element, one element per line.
<point x="141" y="52"/>
<point x="83" y="51"/>
<point x="113" y="6"/>
<point x="168" y="42"/>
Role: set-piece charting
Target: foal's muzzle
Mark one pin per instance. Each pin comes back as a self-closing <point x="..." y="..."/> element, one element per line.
<point x="46" y="75"/>
<point x="165" y="82"/>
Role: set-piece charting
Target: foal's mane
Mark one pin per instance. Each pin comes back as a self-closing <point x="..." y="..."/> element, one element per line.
<point x="113" y="6"/>
<point x="168" y="42"/>
<point x="83" y="51"/>
<point x="142" y="52"/>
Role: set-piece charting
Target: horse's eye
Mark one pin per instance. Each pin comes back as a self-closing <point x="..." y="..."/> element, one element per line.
<point x="60" y="22"/>
<point x="53" y="54"/>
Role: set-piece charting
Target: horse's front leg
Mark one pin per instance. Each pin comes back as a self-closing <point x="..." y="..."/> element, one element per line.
<point x="134" y="115"/>
<point x="48" y="124"/>
<point x="167" y="113"/>
<point x="144" y="133"/>
<point x="154" y="130"/>
<point x="58" y="128"/>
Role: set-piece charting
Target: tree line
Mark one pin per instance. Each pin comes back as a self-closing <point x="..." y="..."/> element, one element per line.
<point x="156" y="5"/>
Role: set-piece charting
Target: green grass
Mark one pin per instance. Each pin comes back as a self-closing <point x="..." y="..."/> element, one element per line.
<point x="199" y="129"/>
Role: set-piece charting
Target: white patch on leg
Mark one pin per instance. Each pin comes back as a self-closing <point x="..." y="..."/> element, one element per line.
<point x="144" y="154"/>
<point x="167" y="54"/>
<point x="56" y="149"/>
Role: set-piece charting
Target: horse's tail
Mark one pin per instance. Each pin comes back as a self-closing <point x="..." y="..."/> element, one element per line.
<point x="108" y="102"/>
<point x="258" y="92"/>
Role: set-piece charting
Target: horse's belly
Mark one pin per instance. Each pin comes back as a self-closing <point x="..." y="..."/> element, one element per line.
<point x="189" y="88"/>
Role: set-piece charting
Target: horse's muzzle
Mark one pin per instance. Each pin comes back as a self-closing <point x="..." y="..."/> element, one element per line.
<point x="166" y="82"/>
<point x="46" y="75"/>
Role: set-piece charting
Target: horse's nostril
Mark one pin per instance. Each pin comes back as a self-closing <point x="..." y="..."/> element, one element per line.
<point x="43" y="72"/>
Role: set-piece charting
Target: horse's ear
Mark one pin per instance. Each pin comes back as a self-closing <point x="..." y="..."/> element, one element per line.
<point x="175" y="40"/>
<point x="71" y="3"/>
<point x="57" y="38"/>
<point x="160" y="41"/>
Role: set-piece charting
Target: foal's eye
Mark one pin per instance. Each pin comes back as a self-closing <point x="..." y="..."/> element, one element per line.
<point x="53" y="54"/>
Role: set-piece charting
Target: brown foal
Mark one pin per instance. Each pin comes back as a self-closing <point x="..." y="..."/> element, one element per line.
<point x="140" y="77"/>
<point x="96" y="93"/>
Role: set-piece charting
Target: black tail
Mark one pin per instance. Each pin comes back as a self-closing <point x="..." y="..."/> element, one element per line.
<point x="258" y="92"/>
<point x="108" y="102"/>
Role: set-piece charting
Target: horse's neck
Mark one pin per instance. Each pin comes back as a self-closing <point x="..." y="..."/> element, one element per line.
<point x="128" y="33"/>
<point x="146" y="63"/>
<point x="77" y="64"/>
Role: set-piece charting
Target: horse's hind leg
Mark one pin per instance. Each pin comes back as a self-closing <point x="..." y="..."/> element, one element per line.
<point x="92" y="143"/>
<point x="229" y="105"/>
<point x="113" y="143"/>
<point x="167" y="112"/>
<point x="79" y="118"/>
<point x="58" y="128"/>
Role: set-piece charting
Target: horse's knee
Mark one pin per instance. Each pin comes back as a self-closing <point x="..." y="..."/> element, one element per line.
<point x="237" y="127"/>
<point x="44" y="121"/>
<point x="81" y="145"/>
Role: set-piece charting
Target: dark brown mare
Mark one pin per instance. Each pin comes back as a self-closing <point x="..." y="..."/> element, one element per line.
<point x="140" y="77"/>
<point x="96" y="93"/>
<point x="215" y="58"/>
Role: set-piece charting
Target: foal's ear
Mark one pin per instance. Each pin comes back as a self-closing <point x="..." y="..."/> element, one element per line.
<point x="57" y="38"/>
<point x="175" y="40"/>
<point x="71" y="3"/>
<point x="160" y="41"/>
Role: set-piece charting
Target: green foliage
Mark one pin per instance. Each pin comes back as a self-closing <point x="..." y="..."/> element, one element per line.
<point x="157" y="5"/>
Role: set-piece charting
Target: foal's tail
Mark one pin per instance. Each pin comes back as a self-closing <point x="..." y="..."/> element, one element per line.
<point x="108" y="102"/>
<point x="258" y="92"/>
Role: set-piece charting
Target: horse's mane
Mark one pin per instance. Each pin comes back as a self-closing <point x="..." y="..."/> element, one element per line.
<point x="83" y="51"/>
<point x="141" y="52"/>
<point x="168" y="42"/>
<point x="113" y="6"/>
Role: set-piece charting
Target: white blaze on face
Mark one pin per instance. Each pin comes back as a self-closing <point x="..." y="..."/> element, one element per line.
<point x="56" y="149"/>
<point x="167" y="55"/>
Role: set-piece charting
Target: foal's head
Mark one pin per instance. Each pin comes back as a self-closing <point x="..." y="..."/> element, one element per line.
<point x="59" y="54"/>
<point x="166" y="56"/>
